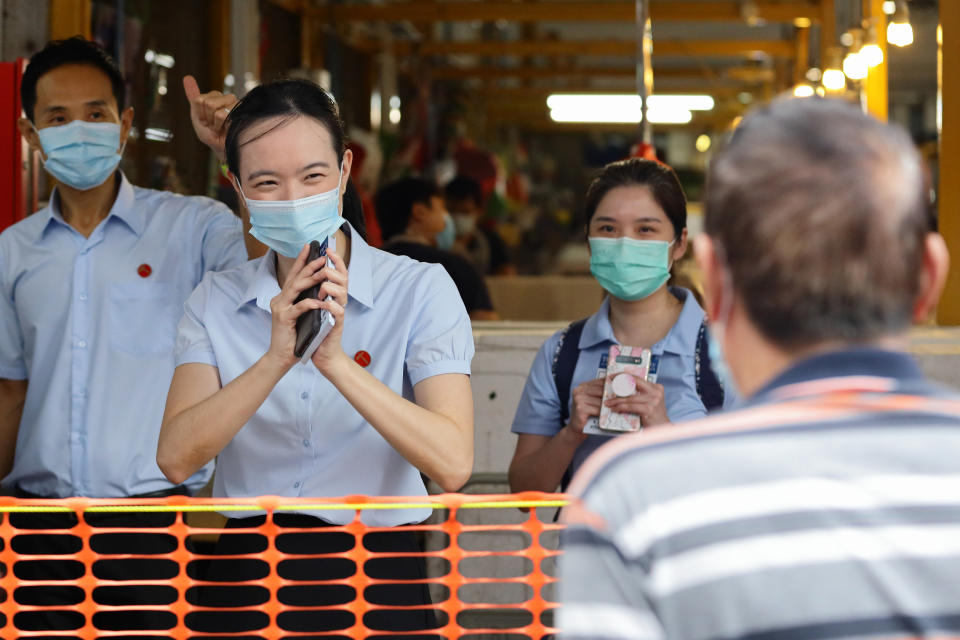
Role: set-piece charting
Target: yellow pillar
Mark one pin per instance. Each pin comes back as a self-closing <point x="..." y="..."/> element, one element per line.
<point x="875" y="86"/>
<point x="69" y="18"/>
<point x="949" y="198"/>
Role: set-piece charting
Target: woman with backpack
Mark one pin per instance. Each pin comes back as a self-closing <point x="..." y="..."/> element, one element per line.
<point x="637" y="229"/>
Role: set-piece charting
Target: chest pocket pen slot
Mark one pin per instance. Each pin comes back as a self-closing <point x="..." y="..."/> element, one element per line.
<point x="143" y="317"/>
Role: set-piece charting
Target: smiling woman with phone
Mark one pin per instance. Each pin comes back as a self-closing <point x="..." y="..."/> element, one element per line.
<point x="386" y="395"/>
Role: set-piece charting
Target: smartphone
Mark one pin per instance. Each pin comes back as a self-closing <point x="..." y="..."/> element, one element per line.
<point x="625" y="365"/>
<point x="313" y="325"/>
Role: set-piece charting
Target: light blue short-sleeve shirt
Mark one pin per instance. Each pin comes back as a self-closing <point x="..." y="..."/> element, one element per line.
<point x="90" y="322"/>
<point x="539" y="410"/>
<point x="306" y="439"/>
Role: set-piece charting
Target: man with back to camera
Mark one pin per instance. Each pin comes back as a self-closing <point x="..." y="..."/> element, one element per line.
<point x="829" y="504"/>
<point x="91" y="289"/>
<point x="413" y="221"/>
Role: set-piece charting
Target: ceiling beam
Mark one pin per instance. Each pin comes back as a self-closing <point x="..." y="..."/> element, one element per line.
<point x="747" y="74"/>
<point x="627" y="48"/>
<point x="551" y="11"/>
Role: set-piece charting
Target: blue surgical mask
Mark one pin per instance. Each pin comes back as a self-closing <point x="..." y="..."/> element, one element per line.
<point x="718" y="361"/>
<point x="630" y="269"/>
<point x="446" y="237"/>
<point x="286" y="225"/>
<point x="81" y="154"/>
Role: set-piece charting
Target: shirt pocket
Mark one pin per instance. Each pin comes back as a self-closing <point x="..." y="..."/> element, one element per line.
<point x="143" y="317"/>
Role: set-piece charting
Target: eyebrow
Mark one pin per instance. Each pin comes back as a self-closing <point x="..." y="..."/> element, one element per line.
<point x="268" y="172"/>
<point x="611" y="219"/>
<point x="92" y="103"/>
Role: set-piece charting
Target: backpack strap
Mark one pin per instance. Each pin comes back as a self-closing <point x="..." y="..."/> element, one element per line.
<point x="709" y="387"/>
<point x="564" y="362"/>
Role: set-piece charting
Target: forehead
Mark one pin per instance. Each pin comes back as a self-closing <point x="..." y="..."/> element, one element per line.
<point x="629" y="203"/>
<point x="279" y="143"/>
<point x="74" y="84"/>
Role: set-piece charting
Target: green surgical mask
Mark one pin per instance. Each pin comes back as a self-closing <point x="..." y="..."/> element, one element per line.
<point x="630" y="269"/>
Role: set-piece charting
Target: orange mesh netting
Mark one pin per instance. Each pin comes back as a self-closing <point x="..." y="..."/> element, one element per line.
<point x="489" y="568"/>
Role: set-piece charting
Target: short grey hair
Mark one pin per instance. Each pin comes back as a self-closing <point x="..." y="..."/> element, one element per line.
<point x="821" y="214"/>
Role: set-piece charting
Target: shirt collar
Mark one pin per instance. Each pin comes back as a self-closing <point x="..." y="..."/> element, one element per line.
<point x="681" y="339"/>
<point x="859" y="368"/>
<point x="122" y="209"/>
<point x="263" y="287"/>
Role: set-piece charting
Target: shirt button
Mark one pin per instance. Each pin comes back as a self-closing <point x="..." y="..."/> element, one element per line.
<point x="82" y="344"/>
<point x="306" y="443"/>
<point x="304" y="395"/>
<point x="83" y="297"/>
<point x="296" y="485"/>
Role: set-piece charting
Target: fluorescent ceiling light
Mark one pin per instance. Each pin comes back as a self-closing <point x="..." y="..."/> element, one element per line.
<point x="619" y="116"/>
<point x="616" y="102"/>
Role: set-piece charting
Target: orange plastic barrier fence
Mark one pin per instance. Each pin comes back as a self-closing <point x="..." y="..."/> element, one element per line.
<point x="84" y="568"/>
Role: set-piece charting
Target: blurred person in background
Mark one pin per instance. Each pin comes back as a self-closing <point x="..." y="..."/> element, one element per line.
<point x="637" y="229"/>
<point x="828" y="506"/>
<point x="415" y="223"/>
<point x="484" y="247"/>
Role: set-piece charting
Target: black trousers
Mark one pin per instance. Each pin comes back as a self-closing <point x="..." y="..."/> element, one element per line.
<point x="59" y="618"/>
<point x="305" y="538"/>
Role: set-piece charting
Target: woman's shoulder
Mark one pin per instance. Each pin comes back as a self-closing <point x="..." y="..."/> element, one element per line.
<point x="400" y="272"/>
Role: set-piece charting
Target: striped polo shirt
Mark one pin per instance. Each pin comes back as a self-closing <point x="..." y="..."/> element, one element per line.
<point x="828" y="507"/>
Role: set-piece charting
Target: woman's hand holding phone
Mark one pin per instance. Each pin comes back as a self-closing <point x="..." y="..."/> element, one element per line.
<point x="335" y="286"/>
<point x="284" y="308"/>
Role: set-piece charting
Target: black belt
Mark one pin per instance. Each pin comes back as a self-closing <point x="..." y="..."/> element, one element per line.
<point x="179" y="490"/>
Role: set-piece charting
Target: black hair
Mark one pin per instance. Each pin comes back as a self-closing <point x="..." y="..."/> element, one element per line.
<point x="661" y="179"/>
<point x="353" y="209"/>
<point x="464" y="188"/>
<point x="291" y="98"/>
<point x="58" y="53"/>
<point x="395" y="203"/>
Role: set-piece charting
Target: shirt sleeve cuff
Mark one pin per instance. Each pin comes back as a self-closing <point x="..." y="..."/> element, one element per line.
<point x="423" y="372"/>
<point x="536" y="429"/>
<point x="13" y="373"/>
<point x="196" y="357"/>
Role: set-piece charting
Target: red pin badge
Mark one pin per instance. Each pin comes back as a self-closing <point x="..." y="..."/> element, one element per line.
<point x="362" y="358"/>
<point x="144" y="270"/>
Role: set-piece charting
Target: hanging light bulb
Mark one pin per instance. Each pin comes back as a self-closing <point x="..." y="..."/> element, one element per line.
<point x="872" y="52"/>
<point x="854" y="66"/>
<point x="803" y="90"/>
<point x="899" y="31"/>
<point x="833" y="78"/>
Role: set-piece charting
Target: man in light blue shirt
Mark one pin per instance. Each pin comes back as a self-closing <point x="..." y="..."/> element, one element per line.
<point x="91" y="289"/>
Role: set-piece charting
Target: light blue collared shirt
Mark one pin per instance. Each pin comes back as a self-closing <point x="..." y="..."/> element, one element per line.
<point x="539" y="410"/>
<point x="91" y="323"/>
<point x="306" y="439"/>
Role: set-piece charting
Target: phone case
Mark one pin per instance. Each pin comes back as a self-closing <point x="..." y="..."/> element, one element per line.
<point x="313" y="325"/>
<point x="625" y="365"/>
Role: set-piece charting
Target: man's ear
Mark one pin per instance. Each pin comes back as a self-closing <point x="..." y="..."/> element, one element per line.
<point x="126" y="123"/>
<point x="933" y="276"/>
<point x="28" y="132"/>
<point x="711" y="270"/>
